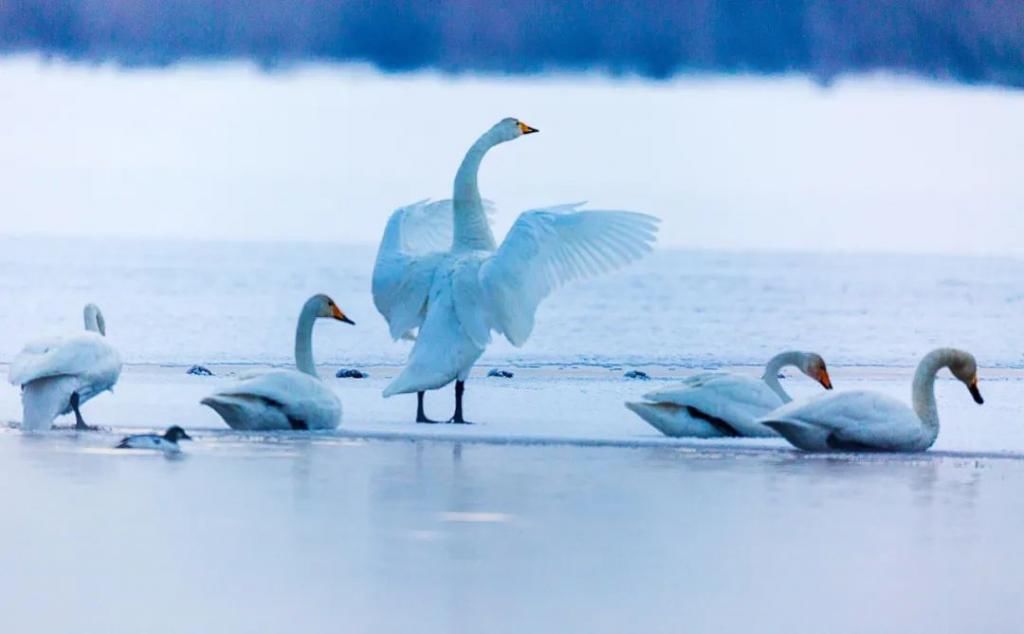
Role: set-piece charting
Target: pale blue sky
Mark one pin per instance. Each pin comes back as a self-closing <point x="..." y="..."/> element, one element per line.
<point x="325" y="153"/>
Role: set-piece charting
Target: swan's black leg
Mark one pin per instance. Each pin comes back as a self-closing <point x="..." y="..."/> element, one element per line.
<point x="79" y="421"/>
<point x="460" y="388"/>
<point x="421" y="416"/>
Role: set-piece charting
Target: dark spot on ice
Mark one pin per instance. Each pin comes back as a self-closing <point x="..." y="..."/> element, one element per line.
<point x="198" y="370"/>
<point x="780" y="375"/>
<point x="500" y="374"/>
<point x="639" y="375"/>
<point x="350" y="373"/>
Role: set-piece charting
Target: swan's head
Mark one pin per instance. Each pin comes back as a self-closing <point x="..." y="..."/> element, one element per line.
<point x="511" y="128"/>
<point x="94" y="321"/>
<point x="965" y="368"/>
<point x="814" y="366"/>
<point x="175" y="433"/>
<point x="327" y="309"/>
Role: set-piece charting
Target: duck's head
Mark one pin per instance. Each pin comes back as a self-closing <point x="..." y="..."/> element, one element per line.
<point x="327" y="309"/>
<point x="175" y="433"/>
<point x="965" y="368"/>
<point x="511" y="128"/>
<point x="813" y="365"/>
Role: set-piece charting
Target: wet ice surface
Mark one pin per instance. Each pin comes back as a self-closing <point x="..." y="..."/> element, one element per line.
<point x="559" y="511"/>
<point x="293" y="533"/>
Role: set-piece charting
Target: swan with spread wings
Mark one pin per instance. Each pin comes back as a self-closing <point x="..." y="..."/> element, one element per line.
<point x="441" y="279"/>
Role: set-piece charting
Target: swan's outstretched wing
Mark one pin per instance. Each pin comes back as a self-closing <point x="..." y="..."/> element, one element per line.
<point x="415" y="239"/>
<point x="546" y="248"/>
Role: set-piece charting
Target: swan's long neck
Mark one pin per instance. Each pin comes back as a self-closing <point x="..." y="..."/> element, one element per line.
<point x="472" y="231"/>
<point x="94" y="321"/>
<point x="923" y="391"/>
<point x="776" y="363"/>
<point x="304" y="338"/>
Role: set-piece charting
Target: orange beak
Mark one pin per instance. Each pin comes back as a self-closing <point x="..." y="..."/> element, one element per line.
<point x="340" y="316"/>
<point x="525" y="129"/>
<point x="824" y="379"/>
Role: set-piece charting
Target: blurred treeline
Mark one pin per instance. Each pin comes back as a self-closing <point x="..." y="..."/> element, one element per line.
<point x="965" y="40"/>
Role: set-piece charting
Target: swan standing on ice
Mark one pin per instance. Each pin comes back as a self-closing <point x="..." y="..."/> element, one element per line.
<point x="440" y="271"/>
<point x="58" y="375"/>
<point x="285" y="399"/>
<point x="717" y="404"/>
<point x="869" y="421"/>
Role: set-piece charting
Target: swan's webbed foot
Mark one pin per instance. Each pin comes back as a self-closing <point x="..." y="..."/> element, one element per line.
<point x="421" y="416"/>
<point x="458" y="421"/>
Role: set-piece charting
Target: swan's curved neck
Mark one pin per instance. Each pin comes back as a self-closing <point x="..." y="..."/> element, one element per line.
<point x="472" y="231"/>
<point x="923" y="390"/>
<point x="304" y="338"/>
<point x="776" y="363"/>
<point x="94" y="320"/>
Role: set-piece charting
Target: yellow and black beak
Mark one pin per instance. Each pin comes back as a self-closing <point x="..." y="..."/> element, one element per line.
<point x="340" y="316"/>
<point x="824" y="379"/>
<point x="525" y="129"/>
<point x="972" y="387"/>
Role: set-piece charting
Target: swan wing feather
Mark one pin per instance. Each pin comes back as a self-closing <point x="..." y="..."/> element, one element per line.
<point x="297" y="395"/>
<point x="862" y="418"/>
<point x="547" y="248"/>
<point x="416" y="240"/>
<point x="88" y="356"/>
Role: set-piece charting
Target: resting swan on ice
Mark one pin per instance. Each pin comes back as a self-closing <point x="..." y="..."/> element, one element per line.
<point x="440" y="272"/>
<point x="59" y="374"/>
<point x="285" y="399"/>
<point x="719" y="404"/>
<point x="869" y="421"/>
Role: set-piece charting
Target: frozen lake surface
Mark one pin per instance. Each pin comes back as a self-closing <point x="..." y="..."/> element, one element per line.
<point x="317" y="534"/>
<point x="560" y="510"/>
<point x="180" y="302"/>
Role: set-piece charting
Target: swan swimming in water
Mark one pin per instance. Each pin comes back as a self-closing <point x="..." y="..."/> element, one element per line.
<point x="285" y="399"/>
<point x="719" y="404"/>
<point x="440" y="272"/>
<point x="59" y="374"/>
<point x="869" y="421"/>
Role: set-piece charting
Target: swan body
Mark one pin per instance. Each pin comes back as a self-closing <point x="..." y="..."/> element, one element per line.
<point x="441" y="275"/>
<point x="166" y="442"/>
<point x="285" y="399"/>
<point x="59" y="374"/>
<point x="869" y="421"/>
<point x="719" y="404"/>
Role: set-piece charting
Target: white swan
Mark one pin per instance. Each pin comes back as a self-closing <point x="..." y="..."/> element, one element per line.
<point x="58" y="375"/>
<point x="869" y="421"/>
<point x="439" y="270"/>
<point x="285" y="399"/>
<point x="717" y="404"/>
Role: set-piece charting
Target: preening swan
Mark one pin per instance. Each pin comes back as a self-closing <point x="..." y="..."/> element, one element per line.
<point x="58" y="375"/>
<point x="285" y="399"/>
<point x="717" y="404"/>
<point x="439" y="271"/>
<point x="868" y="421"/>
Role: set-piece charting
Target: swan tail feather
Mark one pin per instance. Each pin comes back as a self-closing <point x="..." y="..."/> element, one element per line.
<point x="44" y="400"/>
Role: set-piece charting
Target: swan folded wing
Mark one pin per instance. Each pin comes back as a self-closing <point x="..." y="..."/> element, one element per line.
<point x="415" y="241"/>
<point x="859" y="418"/>
<point x="82" y="355"/>
<point x="296" y="394"/>
<point x="731" y="398"/>
<point x="546" y="248"/>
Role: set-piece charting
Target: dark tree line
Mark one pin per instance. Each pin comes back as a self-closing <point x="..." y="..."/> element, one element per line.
<point x="966" y="40"/>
